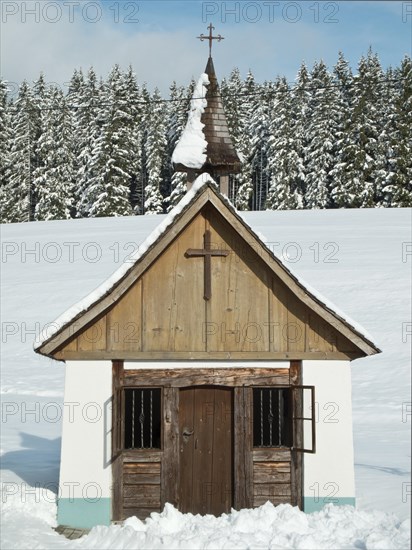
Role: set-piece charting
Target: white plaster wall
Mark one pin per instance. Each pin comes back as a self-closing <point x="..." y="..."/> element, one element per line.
<point x="331" y="469"/>
<point x="86" y="437"/>
<point x="206" y="364"/>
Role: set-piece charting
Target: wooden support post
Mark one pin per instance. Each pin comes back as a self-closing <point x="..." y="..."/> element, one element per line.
<point x="297" y="457"/>
<point x="117" y="440"/>
<point x="243" y="460"/>
<point x="224" y="185"/>
<point x="170" y="463"/>
<point x="191" y="176"/>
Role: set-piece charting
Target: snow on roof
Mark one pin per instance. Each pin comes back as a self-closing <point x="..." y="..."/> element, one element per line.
<point x="190" y="150"/>
<point x="105" y="287"/>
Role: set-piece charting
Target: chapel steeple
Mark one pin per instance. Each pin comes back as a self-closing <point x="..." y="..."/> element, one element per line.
<point x="221" y="158"/>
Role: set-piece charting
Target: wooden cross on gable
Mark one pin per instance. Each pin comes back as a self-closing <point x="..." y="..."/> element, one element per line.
<point x="210" y="38"/>
<point x="207" y="254"/>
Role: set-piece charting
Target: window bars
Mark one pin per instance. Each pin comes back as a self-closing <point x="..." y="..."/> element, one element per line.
<point x="272" y="417"/>
<point x="142" y="418"/>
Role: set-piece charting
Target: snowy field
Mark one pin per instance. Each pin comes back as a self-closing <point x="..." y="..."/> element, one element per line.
<point x="359" y="259"/>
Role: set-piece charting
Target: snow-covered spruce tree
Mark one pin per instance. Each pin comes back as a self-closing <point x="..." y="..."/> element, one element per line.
<point x="252" y="195"/>
<point x="177" y="116"/>
<point x="361" y="158"/>
<point x="5" y="144"/>
<point x="382" y="113"/>
<point x="73" y="100"/>
<point x="321" y="132"/>
<point x="54" y="178"/>
<point x="343" y="80"/>
<point x="90" y="112"/>
<point x="134" y="140"/>
<point x="397" y="190"/>
<point x="233" y="101"/>
<point x="284" y="163"/>
<point x="109" y="188"/>
<point x="18" y="199"/>
<point x="386" y="130"/>
<point x="243" y="182"/>
<point x="155" y="147"/>
<point x="300" y="97"/>
<point x="41" y="100"/>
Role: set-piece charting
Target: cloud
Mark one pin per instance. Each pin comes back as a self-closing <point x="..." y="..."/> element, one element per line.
<point x="161" y="47"/>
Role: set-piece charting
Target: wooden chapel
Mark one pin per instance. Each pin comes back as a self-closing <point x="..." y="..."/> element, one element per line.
<point x="207" y="358"/>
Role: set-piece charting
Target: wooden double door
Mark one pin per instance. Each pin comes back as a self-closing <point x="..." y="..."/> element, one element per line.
<point x="206" y="450"/>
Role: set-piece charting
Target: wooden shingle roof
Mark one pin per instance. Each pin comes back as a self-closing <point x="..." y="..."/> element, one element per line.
<point x="221" y="156"/>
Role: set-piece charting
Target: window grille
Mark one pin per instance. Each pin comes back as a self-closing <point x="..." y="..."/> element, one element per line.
<point x="272" y="417"/>
<point x="142" y="418"/>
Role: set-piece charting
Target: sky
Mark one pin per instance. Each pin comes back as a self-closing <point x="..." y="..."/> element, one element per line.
<point x="158" y="37"/>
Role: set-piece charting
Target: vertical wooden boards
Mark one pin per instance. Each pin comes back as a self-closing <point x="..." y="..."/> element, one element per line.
<point x="117" y="489"/>
<point x="278" y="315"/>
<point x="296" y="327"/>
<point x="243" y="458"/>
<point x="173" y="305"/>
<point x="203" y="450"/>
<point x="288" y="319"/>
<point x="124" y="324"/>
<point x="222" y="462"/>
<point x="170" y="462"/>
<point x="206" y="457"/>
<point x="238" y="313"/>
<point x="240" y="478"/>
<point x="186" y="448"/>
<point x="94" y="338"/>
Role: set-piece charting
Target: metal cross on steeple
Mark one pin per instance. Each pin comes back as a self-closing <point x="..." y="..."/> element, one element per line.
<point x="210" y="38"/>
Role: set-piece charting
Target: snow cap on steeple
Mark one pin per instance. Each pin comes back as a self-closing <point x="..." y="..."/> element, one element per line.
<point x="206" y="145"/>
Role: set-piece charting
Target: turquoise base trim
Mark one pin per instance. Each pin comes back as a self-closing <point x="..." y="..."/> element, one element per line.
<point x="311" y="504"/>
<point x="78" y="512"/>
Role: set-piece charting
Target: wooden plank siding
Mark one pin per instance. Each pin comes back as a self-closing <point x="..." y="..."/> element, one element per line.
<point x="252" y="314"/>
<point x="238" y="314"/>
<point x="141" y="488"/>
<point x="272" y="476"/>
<point x="173" y="310"/>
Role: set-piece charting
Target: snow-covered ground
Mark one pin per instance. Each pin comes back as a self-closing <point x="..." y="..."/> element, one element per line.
<point x="359" y="259"/>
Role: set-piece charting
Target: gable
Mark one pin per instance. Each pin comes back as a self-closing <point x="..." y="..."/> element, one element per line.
<point x="257" y="309"/>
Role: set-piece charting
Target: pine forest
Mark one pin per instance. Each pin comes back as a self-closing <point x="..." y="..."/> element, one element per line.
<point x="331" y="139"/>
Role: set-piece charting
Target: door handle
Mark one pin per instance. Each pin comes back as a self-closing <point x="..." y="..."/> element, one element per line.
<point x="186" y="433"/>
